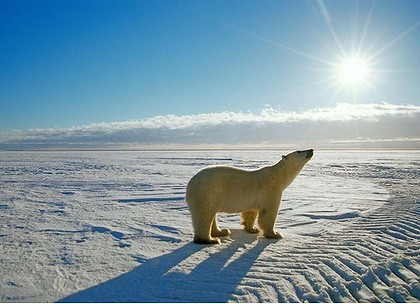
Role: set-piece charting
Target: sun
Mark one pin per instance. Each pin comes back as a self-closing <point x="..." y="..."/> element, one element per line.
<point x="353" y="71"/>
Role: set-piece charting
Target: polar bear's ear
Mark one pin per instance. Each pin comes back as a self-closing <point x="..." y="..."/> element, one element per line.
<point x="284" y="157"/>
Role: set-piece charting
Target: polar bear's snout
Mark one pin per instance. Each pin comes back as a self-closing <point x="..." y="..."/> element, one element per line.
<point x="308" y="153"/>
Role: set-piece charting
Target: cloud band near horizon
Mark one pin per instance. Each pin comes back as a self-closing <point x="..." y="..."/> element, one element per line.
<point x="343" y="121"/>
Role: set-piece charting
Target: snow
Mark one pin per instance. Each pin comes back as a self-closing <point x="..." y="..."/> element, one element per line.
<point x="101" y="226"/>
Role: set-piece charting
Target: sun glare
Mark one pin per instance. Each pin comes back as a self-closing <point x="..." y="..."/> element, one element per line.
<point x="358" y="68"/>
<point x="353" y="71"/>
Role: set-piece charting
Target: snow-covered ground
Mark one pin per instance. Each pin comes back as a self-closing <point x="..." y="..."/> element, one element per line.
<point x="114" y="226"/>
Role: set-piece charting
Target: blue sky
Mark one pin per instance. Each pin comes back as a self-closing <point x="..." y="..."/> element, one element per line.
<point x="74" y="63"/>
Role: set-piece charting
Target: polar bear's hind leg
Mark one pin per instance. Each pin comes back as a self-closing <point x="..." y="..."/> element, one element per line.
<point x="202" y="226"/>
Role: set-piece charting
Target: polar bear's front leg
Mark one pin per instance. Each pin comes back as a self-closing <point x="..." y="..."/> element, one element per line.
<point x="216" y="231"/>
<point x="266" y="221"/>
<point x="248" y="220"/>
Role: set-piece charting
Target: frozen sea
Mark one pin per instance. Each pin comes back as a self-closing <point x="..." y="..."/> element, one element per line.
<point x="114" y="227"/>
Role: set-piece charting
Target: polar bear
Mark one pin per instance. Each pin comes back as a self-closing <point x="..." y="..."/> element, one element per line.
<point x="232" y="190"/>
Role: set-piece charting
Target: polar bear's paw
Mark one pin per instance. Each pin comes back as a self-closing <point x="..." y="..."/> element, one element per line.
<point x="221" y="232"/>
<point x="272" y="234"/>
<point x="253" y="230"/>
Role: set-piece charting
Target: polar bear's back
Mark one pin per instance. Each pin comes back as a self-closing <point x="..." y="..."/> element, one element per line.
<point x="226" y="189"/>
<point x="219" y="176"/>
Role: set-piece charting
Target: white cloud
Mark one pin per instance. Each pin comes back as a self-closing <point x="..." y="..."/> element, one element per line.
<point x="339" y="122"/>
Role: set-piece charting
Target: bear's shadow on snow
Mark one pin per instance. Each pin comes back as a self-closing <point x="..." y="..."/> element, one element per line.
<point x="213" y="279"/>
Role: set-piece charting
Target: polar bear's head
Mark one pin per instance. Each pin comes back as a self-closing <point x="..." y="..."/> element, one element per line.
<point x="299" y="157"/>
<point x="295" y="161"/>
<point x="290" y="166"/>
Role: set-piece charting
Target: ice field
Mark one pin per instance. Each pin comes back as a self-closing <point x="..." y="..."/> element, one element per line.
<point x="114" y="226"/>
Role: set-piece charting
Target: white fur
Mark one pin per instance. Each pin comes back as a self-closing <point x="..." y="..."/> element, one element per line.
<point x="232" y="190"/>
